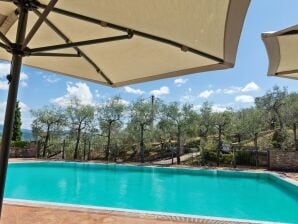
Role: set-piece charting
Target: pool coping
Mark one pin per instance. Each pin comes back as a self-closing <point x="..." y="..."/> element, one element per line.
<point x="132" y="212"/>
<point x="164" y="215"/>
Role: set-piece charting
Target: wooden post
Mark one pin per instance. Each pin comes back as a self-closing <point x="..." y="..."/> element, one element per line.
<point x="234" y="156"/>
<point x="219" y="144"/>
<point x="63" y="149"/>
<point x="89" y="151"/>
<point x="295" y="136"/>
<point x="85" y="145"/>
<point x="256" y="149"/>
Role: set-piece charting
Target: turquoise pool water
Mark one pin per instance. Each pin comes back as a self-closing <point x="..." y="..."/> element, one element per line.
<point x="226" y="194"/>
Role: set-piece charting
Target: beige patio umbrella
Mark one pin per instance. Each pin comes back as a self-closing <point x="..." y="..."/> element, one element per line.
<point x="282" y="49"/>
<point x="116" y="42"/>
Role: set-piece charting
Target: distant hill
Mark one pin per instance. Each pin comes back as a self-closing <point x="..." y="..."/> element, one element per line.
<point x="26" y="133"/>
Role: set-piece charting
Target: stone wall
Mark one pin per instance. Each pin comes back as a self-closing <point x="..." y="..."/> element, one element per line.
<point x="18" y="152"/>
<point x="283" y="160"/>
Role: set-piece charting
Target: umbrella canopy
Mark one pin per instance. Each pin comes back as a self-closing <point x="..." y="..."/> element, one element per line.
<point x="131" y="41"/>
<point x="282" y="49"/>
<point x="115" y="42"/>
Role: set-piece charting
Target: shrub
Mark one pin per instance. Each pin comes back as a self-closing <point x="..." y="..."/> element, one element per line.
<point x="21" y="144"/>
<point x="226" y="158"/>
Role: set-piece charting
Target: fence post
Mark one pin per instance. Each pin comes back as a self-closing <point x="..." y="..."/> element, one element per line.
<point x="172" y="155"/>
<point x="38" y="149"/>
<point x="257" y="157"/>
<point x="234" y="156"/>
<point x="268" y="159"/>
<point x="85" y="145"/>
<point x="63" y="149"/>
<point x="89" y="151"/>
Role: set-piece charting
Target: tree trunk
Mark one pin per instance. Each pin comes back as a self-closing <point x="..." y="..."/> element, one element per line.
<point x="75" y="155"/>
<point x="46" y="142"/>
<point x="38" y="149"/>
<point x="109" y="142"/>
<point x="279" y="119"/>
<point x="178" y="144"/>
<point x="295" y="136"/>
<point x="142" y="144"/>
<point x="219" y="144"/>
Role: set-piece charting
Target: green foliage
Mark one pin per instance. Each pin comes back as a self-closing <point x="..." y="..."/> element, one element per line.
<point x="271" y="103"/>
<point x="16" y="131"/>
<point x="278" y="138"/>
<point x="20" y="144"/>
<point x="155" y="128"/>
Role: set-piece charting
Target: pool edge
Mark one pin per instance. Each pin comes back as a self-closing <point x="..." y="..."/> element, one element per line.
<point x="273" y="173"/>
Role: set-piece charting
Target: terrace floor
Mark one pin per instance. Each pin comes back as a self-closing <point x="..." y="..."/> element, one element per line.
<point x="15" y="214"/>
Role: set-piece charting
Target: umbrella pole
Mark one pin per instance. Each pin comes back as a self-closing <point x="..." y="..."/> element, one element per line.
<point x="15" y="70"/>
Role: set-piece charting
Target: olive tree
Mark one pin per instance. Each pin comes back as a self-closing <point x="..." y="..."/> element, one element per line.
<point x="79" y="118"/>
<point x="109" y="116"/>
<point x="141" y="117"/>
<point x="45" y="121"/>
<point x="179" y="119"/>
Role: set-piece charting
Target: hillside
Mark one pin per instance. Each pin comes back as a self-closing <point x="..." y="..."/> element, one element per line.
<point x="26" y="134"/>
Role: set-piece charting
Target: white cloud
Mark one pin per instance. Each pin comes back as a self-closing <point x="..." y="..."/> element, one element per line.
<point x="23" y="76"/>
<point x="187" y="98"/>
<point x="197" y="107"/>
<point x="97" y="95"/>
<point x="244" y="99"/>
<point x="78" y="90"/>
<point x="124" y="102"/>
<point x="232" y="90"/>
<point x="206" y="93"/>
<point x="4" y="71"/>
<point x="180" y="81"/>
<point x="161" y="91"/>
<point x="23" y="84"/>
<point x="24" y="107"/>
<point x="133" y="91"/>
<point x="218" y="108"/>
<point x="3" y="85"/>
<point x="250" y="87"/>
<point x="2" y="105"/>
<point x="51" y="79"/>
<point x="26" y="118"/>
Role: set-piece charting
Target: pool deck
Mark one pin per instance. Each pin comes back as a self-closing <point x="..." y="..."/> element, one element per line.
<point x="22" y="213"/>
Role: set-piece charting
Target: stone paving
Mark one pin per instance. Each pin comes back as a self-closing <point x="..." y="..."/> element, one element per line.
<point x="15" y="214"/>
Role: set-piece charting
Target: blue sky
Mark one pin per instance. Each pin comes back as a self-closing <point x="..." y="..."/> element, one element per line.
<point x="235" y="87"/>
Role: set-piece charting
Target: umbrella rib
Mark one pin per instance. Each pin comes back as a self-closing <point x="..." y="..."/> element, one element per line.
<point x="142" y="34"/>
<point x="55" y="54"/>
<point x="80" y="43"/>
<point x="39" y="22"/>
<point x="287" y="72"/>
<point x="3" y="46"/>
<point x="5" y="39"/>
<point x="83" y="55"/>
<point x="292" y="32"/>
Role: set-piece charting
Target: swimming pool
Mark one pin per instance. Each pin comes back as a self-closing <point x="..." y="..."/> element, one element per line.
<point x="227" y="194"/>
